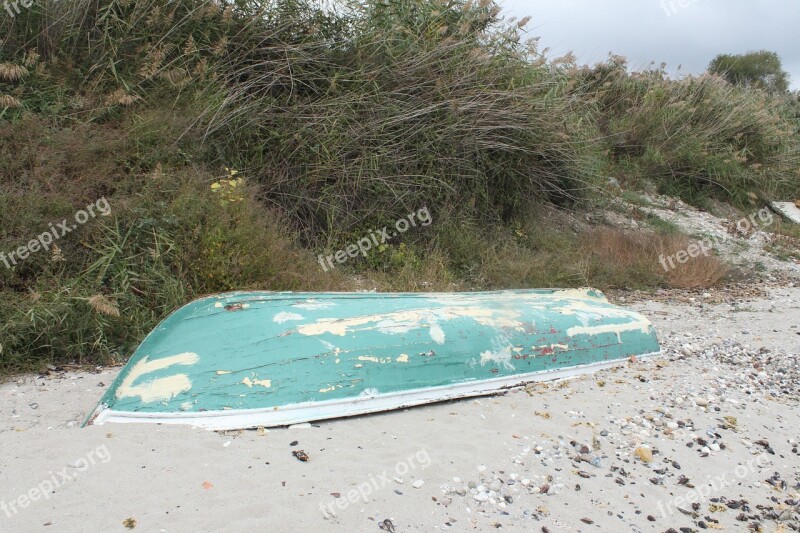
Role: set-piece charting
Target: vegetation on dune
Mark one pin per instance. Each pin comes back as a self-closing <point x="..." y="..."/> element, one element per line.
<point x="754" y="69"/>
<point x="235" y="140"/>
<point x="696" y="137"/>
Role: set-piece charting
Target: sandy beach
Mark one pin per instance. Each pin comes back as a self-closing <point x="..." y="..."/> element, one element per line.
<point x="705" y="436"/>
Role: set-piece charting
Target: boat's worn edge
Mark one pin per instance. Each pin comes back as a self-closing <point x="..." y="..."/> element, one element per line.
<point x="587" y="292"/>
<point x="315" y="411"/>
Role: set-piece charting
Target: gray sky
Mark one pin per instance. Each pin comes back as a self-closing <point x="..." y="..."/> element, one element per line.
<point x="679" y="32"/>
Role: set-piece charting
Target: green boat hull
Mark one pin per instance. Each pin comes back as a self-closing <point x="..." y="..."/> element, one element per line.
<point x="251" y="359"/>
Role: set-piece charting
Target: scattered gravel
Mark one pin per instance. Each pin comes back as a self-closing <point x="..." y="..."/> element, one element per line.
<point x="695" y="450"/>
<point x="703" y="436"/>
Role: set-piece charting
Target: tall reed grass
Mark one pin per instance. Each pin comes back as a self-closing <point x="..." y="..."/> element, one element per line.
<point x="340" y="118"/>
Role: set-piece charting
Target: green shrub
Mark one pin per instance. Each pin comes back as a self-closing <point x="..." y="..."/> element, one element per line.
<point x="339" y="122"/>
<point x="695" y="137"/>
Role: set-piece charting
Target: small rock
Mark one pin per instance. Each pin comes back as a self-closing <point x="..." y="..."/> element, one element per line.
<point x="645" y="455"/>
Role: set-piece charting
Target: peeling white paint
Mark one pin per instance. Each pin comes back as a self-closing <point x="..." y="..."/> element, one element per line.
<point x="283" y="316"/>
<point x="402" y="358"/>
<point x="373" y="359"/>
<point x="500" y="353"/>
<point x="403" y="321"/>
<point x="578" y="294"/>
<point x="223" y="372"/>
<point x="642" y="325"/>
<point x="159" y="389"/>
<point x="312" y="305"/>
<point x="553" y="347"/>
<point x="331" y="348"/>
<point x="586" y="314"/>
<point x="437" y="334"/>
<point x="266" y="383"/>
<point x="516" y="297"/>
<point x="392" y="326"/>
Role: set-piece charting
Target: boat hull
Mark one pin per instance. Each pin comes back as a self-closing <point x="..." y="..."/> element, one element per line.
<point x="255" y="359"/>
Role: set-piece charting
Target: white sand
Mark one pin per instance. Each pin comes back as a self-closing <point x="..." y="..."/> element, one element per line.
<point x="156" y="474"/>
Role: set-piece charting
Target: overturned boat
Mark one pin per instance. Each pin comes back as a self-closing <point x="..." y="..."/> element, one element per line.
<point x="251" y="359"/>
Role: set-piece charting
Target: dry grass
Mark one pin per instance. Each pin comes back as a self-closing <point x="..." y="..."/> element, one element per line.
<point x="11" y="72"/>
<point x="103" y="305"/>
<point x="640" y="253"/>
<point x="121" y="97"/>
<point x="341" y="122"/>
<point x="785" y="240"/>
<point x="31" y="58"/>
<point x="6" y="100"/>
<point x="702" y="271"/>
<point x="421" y="112"/>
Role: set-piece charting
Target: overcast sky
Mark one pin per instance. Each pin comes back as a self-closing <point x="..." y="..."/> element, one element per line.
<point x="656" y="30"/>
